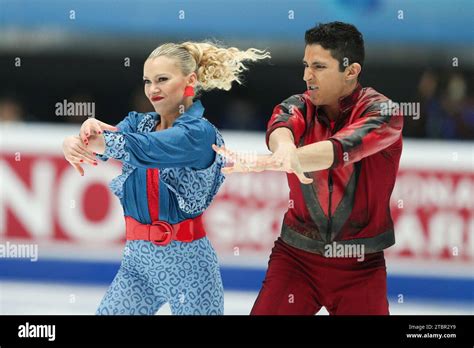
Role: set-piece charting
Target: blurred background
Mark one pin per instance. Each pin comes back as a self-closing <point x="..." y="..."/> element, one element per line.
<point x="93" y="52"/>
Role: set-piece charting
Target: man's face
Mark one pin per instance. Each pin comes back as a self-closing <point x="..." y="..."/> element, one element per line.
<point x="325" y="83"/>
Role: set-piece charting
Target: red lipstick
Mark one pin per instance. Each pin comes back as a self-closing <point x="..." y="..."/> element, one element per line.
<point x="157" y="98"/>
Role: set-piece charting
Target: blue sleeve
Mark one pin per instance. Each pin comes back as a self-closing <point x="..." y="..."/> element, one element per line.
<point x="186" y="144"/>
<point x="128" y="124"/>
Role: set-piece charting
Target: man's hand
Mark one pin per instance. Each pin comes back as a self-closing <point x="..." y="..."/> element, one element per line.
<point x="242" y="163"/>
<point x="284" y="159"/>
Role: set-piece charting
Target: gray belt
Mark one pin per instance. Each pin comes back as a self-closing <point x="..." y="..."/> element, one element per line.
<point x="371" y="245"/>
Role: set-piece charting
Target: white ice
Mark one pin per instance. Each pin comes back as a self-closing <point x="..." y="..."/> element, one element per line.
<point x="34" y="298"/>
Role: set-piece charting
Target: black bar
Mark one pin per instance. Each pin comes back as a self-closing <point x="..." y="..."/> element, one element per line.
<point x="139" y="330"/>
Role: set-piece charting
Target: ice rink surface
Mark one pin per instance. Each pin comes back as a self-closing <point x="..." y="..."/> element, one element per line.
<point x="35" y="298"/>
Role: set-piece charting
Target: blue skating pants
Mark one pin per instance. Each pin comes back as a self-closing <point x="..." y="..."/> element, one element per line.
<point x="186" y="275"/>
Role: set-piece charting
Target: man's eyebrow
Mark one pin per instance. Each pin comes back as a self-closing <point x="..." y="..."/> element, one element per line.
<point x="315" y="62"/>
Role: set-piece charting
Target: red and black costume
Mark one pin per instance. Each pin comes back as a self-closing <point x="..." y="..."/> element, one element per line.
<point x="347" y="203"/>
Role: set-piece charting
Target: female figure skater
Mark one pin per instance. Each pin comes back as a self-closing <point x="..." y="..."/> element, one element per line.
<point x="170" y="176"/>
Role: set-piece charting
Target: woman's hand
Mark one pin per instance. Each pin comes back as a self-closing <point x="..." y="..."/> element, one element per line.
<point x="93" y="126"/>
<point x="283" y="159"/>
<point x="96" y="144"/>
<point x="75" y="153"/>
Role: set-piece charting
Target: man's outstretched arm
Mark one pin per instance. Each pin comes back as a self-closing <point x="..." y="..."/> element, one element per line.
<point x="312" y="157"/>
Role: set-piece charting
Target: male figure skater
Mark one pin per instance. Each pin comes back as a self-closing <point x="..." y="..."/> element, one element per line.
<point x="340" y="145"/>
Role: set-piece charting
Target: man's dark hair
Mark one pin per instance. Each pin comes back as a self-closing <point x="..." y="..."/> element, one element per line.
<point x="343" y="40"/>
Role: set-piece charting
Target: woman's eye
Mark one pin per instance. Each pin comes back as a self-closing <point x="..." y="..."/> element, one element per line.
<point x="146" y="82"/>
<point x="161" y="79"/>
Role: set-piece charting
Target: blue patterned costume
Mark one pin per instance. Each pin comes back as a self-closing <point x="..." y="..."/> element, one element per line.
<point x="186" y="275"/>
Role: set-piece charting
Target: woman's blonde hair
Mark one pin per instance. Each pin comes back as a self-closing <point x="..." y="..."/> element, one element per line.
<point x="214" y="65"/>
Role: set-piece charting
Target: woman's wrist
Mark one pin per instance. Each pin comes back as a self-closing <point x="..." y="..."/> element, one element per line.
<point x="97" y="144"/>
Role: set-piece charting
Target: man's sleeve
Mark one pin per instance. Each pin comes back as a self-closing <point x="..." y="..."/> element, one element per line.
<point x="289" y="114"/>
<point x="183" y="145"/>
<point x="128" y="124"/>
<point x="377" y="128"/>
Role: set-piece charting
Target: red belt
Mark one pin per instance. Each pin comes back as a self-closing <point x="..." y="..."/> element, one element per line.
<point x="162" y="232"/>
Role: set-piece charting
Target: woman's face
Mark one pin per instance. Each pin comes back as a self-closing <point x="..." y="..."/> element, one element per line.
<point x="165" y="84"/>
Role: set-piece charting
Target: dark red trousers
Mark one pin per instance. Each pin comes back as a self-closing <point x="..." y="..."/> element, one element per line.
<point x="300" y="283"/>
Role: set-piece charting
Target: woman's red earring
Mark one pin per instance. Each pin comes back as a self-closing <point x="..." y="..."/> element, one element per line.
<point x="189" y="91"/>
